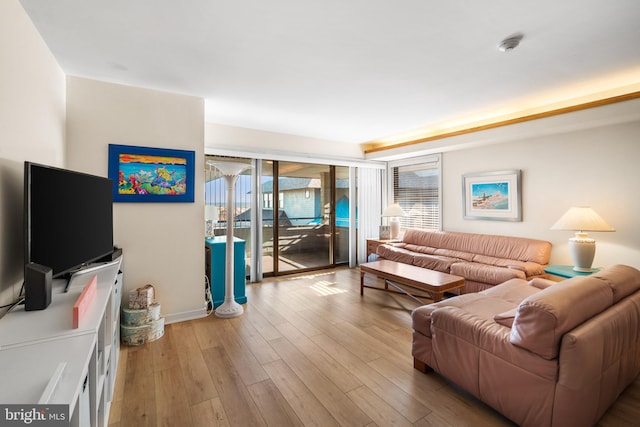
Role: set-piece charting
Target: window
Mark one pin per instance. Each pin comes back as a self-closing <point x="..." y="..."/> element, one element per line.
<point x="416" y="187"/>
<point x="267" y="200"/>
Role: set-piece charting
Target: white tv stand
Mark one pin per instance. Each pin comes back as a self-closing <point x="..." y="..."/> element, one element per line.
<point x="45" y="360"/>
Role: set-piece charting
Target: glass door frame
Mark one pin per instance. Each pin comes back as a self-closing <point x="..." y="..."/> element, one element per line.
<point x="276" y="220"/>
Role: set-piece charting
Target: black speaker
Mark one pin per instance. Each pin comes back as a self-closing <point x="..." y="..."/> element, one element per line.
<point x="37" y="286"/>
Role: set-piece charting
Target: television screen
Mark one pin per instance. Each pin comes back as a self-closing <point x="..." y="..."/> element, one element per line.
<point x="68" y="217"/>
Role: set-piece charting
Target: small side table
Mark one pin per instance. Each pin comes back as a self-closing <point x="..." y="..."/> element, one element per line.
<point x="218" y="278"/>
<point x="372" y="244"/>
<point x="567" y="271"/>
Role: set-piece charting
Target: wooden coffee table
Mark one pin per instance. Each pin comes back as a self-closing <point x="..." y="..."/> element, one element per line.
<point x="397" y="274"/>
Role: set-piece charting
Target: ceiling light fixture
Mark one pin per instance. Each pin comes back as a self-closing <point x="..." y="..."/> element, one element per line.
<point x="510" y="43"/>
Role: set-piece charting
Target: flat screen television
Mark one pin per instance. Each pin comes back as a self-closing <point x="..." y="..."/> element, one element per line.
<point x="68" y="218"/>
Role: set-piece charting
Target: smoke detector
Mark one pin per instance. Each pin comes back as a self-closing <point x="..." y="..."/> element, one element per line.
<point x="510" y="43"/>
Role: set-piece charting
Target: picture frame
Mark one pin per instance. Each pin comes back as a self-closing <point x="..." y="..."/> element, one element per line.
<point x="146" y="174"/>
<point x="384" y="232"/>
<point x="492" y="196"/>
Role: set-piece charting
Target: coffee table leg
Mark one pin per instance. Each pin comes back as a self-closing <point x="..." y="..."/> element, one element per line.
<point x="361" y="283"/>
<point x="436" y="296"/>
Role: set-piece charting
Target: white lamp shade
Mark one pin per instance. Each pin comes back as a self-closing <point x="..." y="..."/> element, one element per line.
<point x="211" y="213"/>
<point x="393" y="210"/>
<point x="582" y="218"/>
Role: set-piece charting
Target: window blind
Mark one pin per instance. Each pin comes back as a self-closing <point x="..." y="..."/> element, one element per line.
<point x="416" y="188"/>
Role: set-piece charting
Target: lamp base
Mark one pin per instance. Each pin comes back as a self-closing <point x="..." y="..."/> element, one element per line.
<point x="395" y="228"/>
<point x="582" y="270"/>
<point x="582" y="250"/>
<point x="228" y="309"/>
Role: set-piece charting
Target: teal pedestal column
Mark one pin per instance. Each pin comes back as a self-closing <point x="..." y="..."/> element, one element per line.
<point x="218" y="245"/>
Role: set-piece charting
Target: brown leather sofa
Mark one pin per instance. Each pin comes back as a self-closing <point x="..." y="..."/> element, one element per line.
<point x="484" y="260"/>
<point x="541" y="353"/>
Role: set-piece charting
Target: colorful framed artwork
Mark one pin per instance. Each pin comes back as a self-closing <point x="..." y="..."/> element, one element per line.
<point x="145" y="174"/>
<point x="492" y="196"/>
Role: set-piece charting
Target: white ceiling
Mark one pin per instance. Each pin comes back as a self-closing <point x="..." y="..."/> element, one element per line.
<point x="347" y="70"/>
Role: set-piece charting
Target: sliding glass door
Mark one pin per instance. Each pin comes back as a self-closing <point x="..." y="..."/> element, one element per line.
<point x="302" y="196"/>
<point x="302" y="212"/>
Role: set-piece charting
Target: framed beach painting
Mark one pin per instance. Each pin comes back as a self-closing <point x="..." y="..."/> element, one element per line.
<point x="492" y="196"/>
<point x="145" y="174"/>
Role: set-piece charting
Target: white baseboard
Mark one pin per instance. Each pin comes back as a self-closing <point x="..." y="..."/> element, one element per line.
<point x="184" y="316"/>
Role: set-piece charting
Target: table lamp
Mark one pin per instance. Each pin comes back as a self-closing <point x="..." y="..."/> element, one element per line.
<point x="393" y="212"/>
<point x="581" y="247"/>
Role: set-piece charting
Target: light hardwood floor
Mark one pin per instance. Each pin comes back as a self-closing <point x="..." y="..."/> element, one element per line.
<point x="308" y="351"/>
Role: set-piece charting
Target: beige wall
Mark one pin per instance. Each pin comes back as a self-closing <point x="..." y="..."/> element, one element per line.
<point x="32" y="111"/>
<point x="32" y="127"/>
<point x="597" y="166"/>
<point x="162" y="242"/>
<point x="221" y="137"/>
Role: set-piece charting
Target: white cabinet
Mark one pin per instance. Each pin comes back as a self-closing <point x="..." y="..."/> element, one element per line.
<point x="46" y="360"/>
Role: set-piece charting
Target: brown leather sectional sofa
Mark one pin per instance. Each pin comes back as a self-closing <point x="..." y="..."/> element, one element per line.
<point x="541" y="353"/>
<point x="484" y="260"/>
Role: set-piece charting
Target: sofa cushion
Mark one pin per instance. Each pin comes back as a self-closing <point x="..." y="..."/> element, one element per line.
<point x="463" y="256"/>
<point x="529" y="268"/>
<point x="544" y="317"/>
<point x="476" y="303"/>
<point x="485" y="273"/>
<point x="418" y="248"/>
<point x="433" y="262"/>
<point x="514" y="291"/>
<point x="622" y="279"/>
<point x="395" y="253"/>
